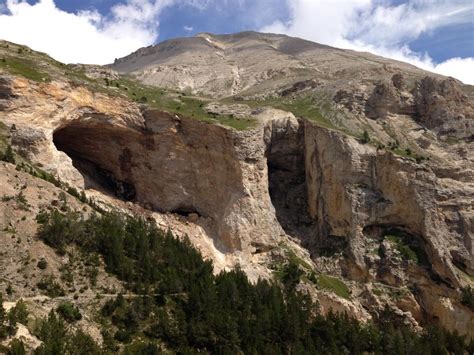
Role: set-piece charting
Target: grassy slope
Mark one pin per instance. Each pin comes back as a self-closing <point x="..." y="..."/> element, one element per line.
<point x="39" y="67"/>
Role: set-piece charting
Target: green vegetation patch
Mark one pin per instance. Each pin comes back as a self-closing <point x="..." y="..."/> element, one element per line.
<point x="313" y="107"/>
<point x="23" y="67"/>
<point x="6" y="152"/>
<point x="335" y="285"/>
<point x="467" y="297"/>
<point x="69" y="312"/>
<point x="307" y="107"/>
<point x="406" y="251"/>
<point x="409" y="246"/>
<point x="175" y="102"/>
<point x="406" y="152"/>
<point x="50" y="287"/>
<point x="175" y="303"/>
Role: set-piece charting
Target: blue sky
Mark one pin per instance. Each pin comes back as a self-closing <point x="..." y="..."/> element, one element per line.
<point x="437" y="35"/>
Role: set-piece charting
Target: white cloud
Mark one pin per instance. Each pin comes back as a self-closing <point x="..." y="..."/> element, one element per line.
<point x="188" y="28"/>
<point x="461" y="68"/>
<point x="86" y="36"/>
<point x="380" y="28"/>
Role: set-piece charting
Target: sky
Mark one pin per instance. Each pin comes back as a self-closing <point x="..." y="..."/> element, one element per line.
<point x="436" y="35"/>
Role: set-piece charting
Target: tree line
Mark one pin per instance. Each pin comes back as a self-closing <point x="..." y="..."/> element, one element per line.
<point x="182" y="307"/>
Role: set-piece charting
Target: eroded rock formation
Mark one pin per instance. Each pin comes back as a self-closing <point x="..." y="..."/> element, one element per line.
<point x="389" y="212"/>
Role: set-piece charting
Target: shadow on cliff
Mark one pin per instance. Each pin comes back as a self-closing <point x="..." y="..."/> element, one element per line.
<point x="287" y="184"/>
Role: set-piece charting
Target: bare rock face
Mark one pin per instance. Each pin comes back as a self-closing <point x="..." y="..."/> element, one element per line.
<point x="384" y="99"/>
<point x="5" y="89"/>
<point x="390" y="97"/>
<point x="362" y="195"/>
<point x="352" y="100"/>
<point x="363" y="187"/>
<point x="437" y="104"/>
<point x="441" y="106"/>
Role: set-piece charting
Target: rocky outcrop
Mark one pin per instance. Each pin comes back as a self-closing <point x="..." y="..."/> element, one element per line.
<point x="389" y="97"/>
<point x="253" y="188"/>
<point x="299" y="87"/>
<point x="384" y="99"/>
<point x="441" y="106"/>
<point x="437" y="104"/>
<point x="159" y="160"/>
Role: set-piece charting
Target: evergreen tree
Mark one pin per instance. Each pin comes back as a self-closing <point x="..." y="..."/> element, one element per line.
<point x="82" y="344"/>
<point x="16" y="348"/>
<point x="3" y="319"/>
<point x="54" y="335"/>
<point x="365" y="137"/>
<point x="8" y="155"/>
<point x="19" y="313"/>
<point x="181" y="304"/>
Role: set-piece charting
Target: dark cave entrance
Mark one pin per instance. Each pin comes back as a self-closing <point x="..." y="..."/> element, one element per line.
<point x="287" y="184"/>
<point x="97" y="153"/>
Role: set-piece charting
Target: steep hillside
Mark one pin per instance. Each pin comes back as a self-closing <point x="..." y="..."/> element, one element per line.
<point x="254" y="64"/>
<point x="354" y="172"/>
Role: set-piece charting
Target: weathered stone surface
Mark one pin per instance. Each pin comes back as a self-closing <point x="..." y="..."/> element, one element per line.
<point x="441" y="106"/>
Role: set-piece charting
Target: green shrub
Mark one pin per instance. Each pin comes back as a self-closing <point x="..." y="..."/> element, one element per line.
<point x="16" y="347"/>
<point x="365" y="137"/>
<point x="335" y="285"/>
<point x="291" y="275"/>
<point x="6" y="198"/>
<point x="54" y="335"/>
<point x="50" y="287"/>
<point x="69" y="312"/>
<point x="42" y="264"/>
<point x="408" y="246"/>
<point x="19" y="313"/>
<point x="21" y="201"/>
<point x="467" y="297"/>
<point x="58" y="229"/>
<point x="8" y="155"/>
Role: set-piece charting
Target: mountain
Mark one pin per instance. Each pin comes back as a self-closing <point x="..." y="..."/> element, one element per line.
<point x="338" y="175"/>
<point x="250" y="63"/>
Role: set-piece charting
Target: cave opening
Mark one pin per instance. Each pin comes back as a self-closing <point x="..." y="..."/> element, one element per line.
<point x="96" y="153"/>
<point x="287" y="185"/>
<point x="185" y="211"/>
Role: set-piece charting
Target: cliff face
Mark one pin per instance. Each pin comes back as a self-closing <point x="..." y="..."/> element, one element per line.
<point x="389" y="212"/>
<point x="363" y="196"/>
<point x="158" y="160"/>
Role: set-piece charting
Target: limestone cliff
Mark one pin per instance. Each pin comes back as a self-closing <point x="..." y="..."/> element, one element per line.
<point x="389" y="211"/>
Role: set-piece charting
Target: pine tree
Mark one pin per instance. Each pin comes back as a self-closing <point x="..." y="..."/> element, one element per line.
<point x="3" y="319"/>
<point x="16" y="348"/>
<point x="19" y="313"/>
<point x="54" y="335"/>
<point x="365" y="137"/>
<point x="9" y="156"/>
